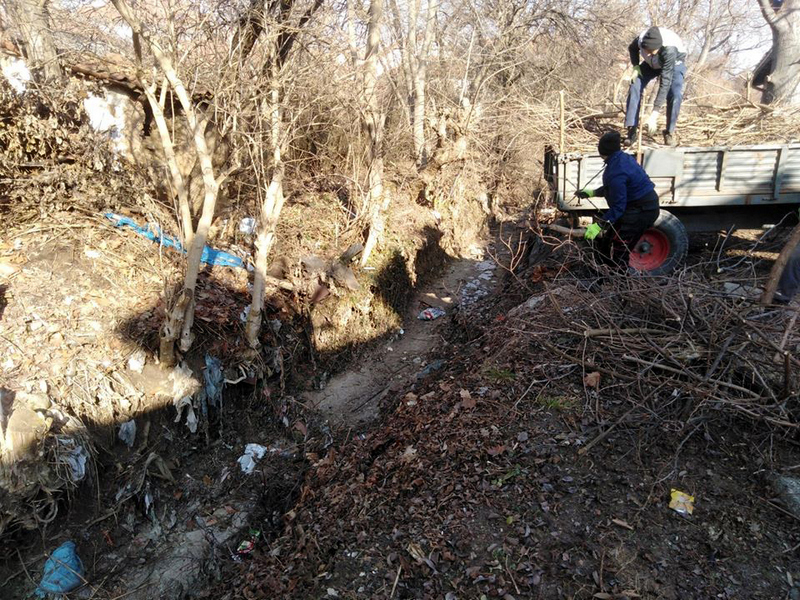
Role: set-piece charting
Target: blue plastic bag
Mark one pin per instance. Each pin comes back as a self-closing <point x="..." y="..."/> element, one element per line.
<point x="63" y="571"/>
<point x="209" y="256"/>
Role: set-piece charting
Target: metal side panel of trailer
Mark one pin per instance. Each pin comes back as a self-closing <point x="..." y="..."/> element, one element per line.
<point x="691" y="177"/>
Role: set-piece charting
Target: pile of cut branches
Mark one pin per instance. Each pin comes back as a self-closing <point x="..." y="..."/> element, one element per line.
<point x="738" y="124"/>
<point x="678" y="348"/>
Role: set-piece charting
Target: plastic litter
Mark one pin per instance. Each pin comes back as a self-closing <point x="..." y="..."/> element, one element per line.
<point x="681" y="502"/>
<point x="429" y="314"/>
<point x="247" y="545"/>
<point x="252" y="454"/>
<point x="136" y="361"/>
<point x="184" y="387"/>
<point x="75" y="457"/>
<point x="214" y="381"/>
<point x="209" y="256"/>
<point x="434" y="366"/>
<point x="127" y="433"/>
<point x="247" y="225"/>
<point x="63" y="572"/>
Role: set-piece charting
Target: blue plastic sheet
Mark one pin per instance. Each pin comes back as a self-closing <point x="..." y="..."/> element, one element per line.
<point x="209" y="256"/>
<point x="63" y="572"/>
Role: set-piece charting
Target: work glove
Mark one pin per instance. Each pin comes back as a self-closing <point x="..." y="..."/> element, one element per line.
<point x="592" y="231"/>
<point x="652" y="122"/>
<point x="632" y="73"/>
<point x="585" y="193"/>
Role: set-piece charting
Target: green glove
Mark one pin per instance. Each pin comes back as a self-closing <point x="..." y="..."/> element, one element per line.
<point x="592" y="231"/>
<point x="638" y="70"/>
<point x="585" y="193"/>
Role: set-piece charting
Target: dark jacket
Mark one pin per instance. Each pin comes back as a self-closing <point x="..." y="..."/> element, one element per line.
<point x="625" y="184"/>
<point x="672" y="53"/>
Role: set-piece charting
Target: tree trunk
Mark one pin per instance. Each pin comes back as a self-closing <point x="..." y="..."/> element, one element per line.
<point x="374" y="121"/>
<point x="270" y="209"/>
<point x="420" y="83"/>
<point x="177" y="320"/>
<point x="783" y="82"/>
<point x="33" y="20"/>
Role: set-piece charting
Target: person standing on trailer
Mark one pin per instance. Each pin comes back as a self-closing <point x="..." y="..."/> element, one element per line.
<point x="631" y="198"/>
<point x="662" y="54"/>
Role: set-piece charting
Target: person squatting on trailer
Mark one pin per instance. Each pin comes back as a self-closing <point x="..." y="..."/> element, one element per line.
<point x="632" y="202"/>
<point x="663" y="54"/>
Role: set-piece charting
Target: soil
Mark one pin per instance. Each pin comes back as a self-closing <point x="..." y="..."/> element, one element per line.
<point x="439" y="466"/>
<point x="161" y="519"/>
<point x="475" y="484"/>
<point x="353" y="398"/>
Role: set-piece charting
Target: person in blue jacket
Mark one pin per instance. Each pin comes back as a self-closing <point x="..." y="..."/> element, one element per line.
<point x="631" y="198"/>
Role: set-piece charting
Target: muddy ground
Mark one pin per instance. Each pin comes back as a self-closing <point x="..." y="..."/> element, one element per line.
<point x="507" y="475"/>
<point x="448" y="463"/>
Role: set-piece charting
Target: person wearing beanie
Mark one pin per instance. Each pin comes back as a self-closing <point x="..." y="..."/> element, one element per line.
<point x="631" y="198"/>
<point x="662" y="54"/>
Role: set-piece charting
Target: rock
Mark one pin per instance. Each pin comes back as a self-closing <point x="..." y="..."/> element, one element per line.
<point x="344" y="275"/>
<point x="279" y="268"/>
<point x="24" y="428"/>
<point x="313" y="264"/>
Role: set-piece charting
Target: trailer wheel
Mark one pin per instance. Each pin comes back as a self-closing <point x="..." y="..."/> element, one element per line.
<point x="662" y="247"/>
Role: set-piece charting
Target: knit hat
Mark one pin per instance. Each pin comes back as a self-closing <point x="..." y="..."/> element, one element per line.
<point x="652" y="39"/>
<point x="609" y="143"/>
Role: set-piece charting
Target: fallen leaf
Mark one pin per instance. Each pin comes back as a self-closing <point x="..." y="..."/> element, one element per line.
<point x="409" y="454"/>
<point x="301" y="427"/>
<point x="603" y="596"/>
<point x="207" y="480"/>
<point x="416" y="552"/>
<point x="592" y="380"/>
<point x="496" y="450"/>
<point x="467" y="401"/>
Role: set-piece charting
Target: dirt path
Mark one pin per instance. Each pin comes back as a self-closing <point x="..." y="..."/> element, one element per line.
<point x="352" y="398"/>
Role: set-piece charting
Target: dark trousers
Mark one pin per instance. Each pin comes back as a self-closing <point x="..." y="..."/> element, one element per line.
<point x="674" y="96"/>
<point x="616" y="244"/>
<point x="789" y="283"/>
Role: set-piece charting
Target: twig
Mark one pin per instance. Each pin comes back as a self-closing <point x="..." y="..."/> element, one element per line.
<point x="24" y="568"/>
<point x="590" y="333"/>
<point x="732" y="386"/>
<point x="396" y="579"/>
<point x="605" y="434"/>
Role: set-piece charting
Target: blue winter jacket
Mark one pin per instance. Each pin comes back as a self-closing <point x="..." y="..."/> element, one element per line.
<point x="624" y="184"/>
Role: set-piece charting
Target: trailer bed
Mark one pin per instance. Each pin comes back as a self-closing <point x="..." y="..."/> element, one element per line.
<point x="690" y="177"/>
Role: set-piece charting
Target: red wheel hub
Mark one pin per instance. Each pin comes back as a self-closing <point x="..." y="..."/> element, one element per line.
<point x="651" y="251"/>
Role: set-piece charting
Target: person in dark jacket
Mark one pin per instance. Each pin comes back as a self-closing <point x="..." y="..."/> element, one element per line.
<point x="662" y="54"/>
<point x="631" y="198"/>
<point x="789" y="283"/>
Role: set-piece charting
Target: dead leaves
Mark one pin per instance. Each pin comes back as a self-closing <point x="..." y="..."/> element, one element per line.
<point x="592" y="380"/>
<point x="467" y="401"/>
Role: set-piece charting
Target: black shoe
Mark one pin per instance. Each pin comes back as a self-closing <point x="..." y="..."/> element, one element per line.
<point x="669" y="139"/>
<point x="631" y="139"/>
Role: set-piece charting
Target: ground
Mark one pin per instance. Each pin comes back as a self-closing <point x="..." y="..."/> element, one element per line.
<point x="460" y="458"/>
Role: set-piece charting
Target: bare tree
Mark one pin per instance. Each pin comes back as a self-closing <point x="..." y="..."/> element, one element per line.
<point x="283" y="36"/>
<point x="180" y="316"/>
<point x="373" y="121"/>
<point x="415" y="53"/>
<point x="783" y="82"/>
<point x="32" y="17"/>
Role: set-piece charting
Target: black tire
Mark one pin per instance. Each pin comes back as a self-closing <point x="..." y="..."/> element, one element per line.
<point x="673" y="233"/>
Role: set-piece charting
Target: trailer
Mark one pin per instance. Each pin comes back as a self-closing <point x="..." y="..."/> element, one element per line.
<point x="700" y="189"/>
